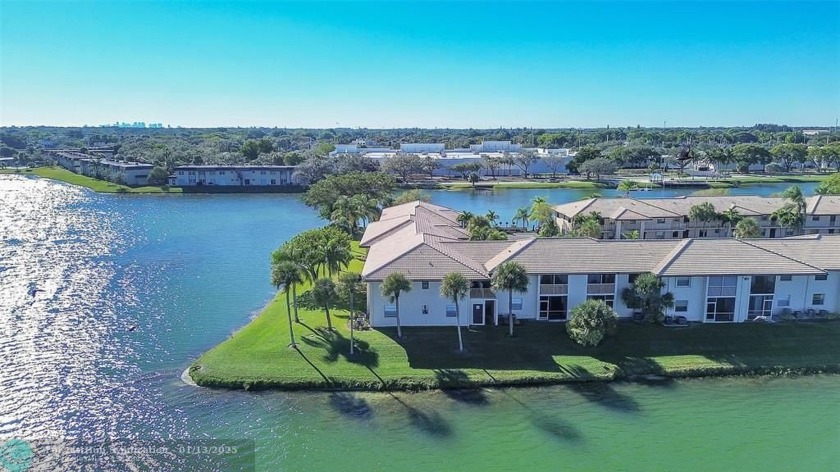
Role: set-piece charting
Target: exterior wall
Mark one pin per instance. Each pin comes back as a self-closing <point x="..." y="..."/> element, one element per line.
<point x="530" y="300"/>
<point x="577" y="291"/>
<point x="232" y="176"/>
<point x="622" y="281"/>
<point x="422" y="147"/>
<point x="694" y="294"/>
<point x="411" y="307"/>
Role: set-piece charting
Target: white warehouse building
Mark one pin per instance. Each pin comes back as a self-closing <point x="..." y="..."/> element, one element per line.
<point x="221" y="176"/>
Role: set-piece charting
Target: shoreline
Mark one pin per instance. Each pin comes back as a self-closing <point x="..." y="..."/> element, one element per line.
<point x="256" y="356"/>
<point x="410" y="387"/>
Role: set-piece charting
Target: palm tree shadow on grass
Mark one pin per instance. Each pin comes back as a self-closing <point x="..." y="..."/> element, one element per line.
<point x="336" y="345"/>
<point x="455" y="378"/>
<point x="429" y="422"/>
<point x="351" y="406"/>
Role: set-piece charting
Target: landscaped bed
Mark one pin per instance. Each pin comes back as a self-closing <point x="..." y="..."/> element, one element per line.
<point x="258" y="355"/>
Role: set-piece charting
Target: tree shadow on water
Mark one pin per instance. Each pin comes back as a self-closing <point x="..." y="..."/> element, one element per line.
<point x="336" y="345"/>
<point x="606" y="396"/>
<point x="351" y="406"/>
<point x="429" y="422"/>
<point x="549" y="422"/>
<point x="448" y="378"/>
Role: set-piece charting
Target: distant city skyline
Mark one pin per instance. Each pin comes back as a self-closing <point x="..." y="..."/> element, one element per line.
<point x="420" y="64"/>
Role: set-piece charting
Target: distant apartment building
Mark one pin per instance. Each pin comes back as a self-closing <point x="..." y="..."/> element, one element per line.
<point x="243" y="176"/>
<point x="127" y="173"/>
<point x="668" y="218"/>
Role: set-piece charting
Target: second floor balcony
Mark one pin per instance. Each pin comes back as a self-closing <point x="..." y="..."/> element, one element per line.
<point x="600" y="289"/>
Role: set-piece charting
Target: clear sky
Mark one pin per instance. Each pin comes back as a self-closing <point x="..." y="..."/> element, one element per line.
<point x="425" y="64"/>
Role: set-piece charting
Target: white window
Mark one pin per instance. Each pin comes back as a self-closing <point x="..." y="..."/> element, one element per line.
<point x="660" y="235"/>
<point x="390" y="311"/>
<point x="424" y="285"/>
<point x="683" y="281"/>
<point x="783" y="301"/>
<point x="425" y="309"/>
<point x="660" y="220"/>
<point x="681" y="306"/>
<point x="816" y="218"/>
<point x="818" y="299"/>
<point x="451" y="312"/>
<point x="517" y="303"/>
<point x="821" y="277"/>
<point x="785" y="278"/>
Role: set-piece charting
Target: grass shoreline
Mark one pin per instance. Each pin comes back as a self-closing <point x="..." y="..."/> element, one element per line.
<point x="256" y="357"/>
<point x="97" y="185"/>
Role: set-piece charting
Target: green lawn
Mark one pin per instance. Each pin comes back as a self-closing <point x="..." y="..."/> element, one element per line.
<point x="257" y="356"/>
<point x="103" y="186"/>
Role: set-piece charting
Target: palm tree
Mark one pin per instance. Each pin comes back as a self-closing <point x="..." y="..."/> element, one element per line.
<point x="349" y="282"/>
<point x="455" y="287"/>
<point x="702" y="212"/>
<point x="324" y="293"/>
<point x="510" y="276"/>
<point x="730" y="217"/>
<point x="367" y="208"/>
<point x="464" y="218"/>
<point x="286" y="274"/>
<point x="492" y="216"/>
<point x="393" y="285"/>
<point x="522" y="214"/>
<point x="747" y="228"/>
<point x="797" y="205"/>
<point x="626" y="186"/>
<point x="336" y="252"/>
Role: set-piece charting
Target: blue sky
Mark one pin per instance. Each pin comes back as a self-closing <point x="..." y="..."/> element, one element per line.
<point x="426" y="64"/>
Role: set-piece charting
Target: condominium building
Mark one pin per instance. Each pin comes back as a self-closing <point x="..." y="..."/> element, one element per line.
<point x="712" y="280"/>
<point x="669" y="218"/>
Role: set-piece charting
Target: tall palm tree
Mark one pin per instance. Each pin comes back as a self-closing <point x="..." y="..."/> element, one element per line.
<point x="350" y="283"/>
<point x="324" y="293"/>
<point x="336" y="252"/>
<point x="393" y="285"/>
<point x="492" y="216"/>
<point x="730" y="217"/>
<point x="510" y="276"/>
<point x="286" y="274"/>
<point x="455" y="287"/>
<point x="522" y="214"/>
<point x="797" y="206"/>
<point x="702" y="212"/>
<point x="747" y="228"/>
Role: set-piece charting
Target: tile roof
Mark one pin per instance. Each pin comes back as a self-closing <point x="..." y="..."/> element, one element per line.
<point x="729" y="257"/>
<point x="422" y="246"/>
<point x="824" y="205"/>
<point x="681" y="206"/>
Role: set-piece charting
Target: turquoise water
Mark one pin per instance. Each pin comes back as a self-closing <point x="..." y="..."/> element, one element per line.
<point x="131" y="288"/>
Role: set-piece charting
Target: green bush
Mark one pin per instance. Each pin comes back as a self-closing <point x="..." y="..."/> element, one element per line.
<point x="591" y="322"/>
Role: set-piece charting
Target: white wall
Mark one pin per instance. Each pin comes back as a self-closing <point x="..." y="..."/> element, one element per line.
<point x="577" y="291"/>
<point x="411" y="307"/>
<point x="530" y="300"/>
<point x="695" y="294"/>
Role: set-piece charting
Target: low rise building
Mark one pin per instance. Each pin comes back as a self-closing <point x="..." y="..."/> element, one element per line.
<point x="723" y="280"/>
<point x="245" y="176"/>
<point x="669" y="218"/>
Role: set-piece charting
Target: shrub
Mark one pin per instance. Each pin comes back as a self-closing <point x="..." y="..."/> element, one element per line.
<point x="591" y="322"/>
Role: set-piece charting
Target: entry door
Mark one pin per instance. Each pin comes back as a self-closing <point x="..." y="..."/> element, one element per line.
<point x="489" y="309"/>
<point x="478" y="314"/>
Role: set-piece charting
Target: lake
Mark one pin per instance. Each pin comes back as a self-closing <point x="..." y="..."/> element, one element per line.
<point x="106" y="299"/>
